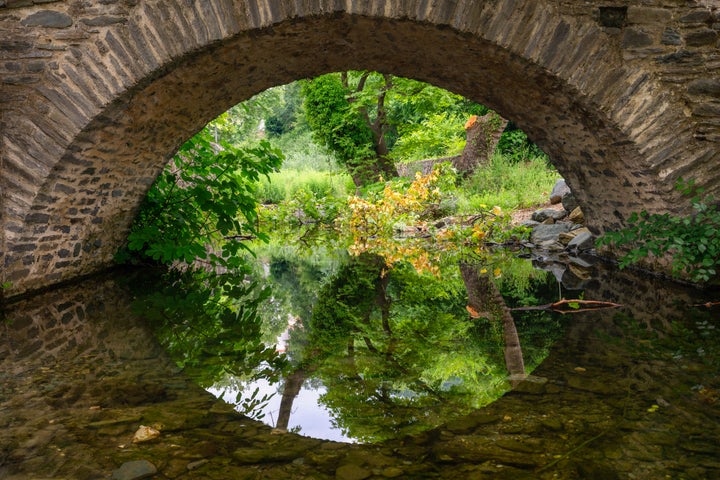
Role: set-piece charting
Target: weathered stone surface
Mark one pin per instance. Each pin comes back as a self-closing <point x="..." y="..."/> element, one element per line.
<point x="103" y="21"/>
<point x="603" y="89"/>
<point x="637" y="14"/>
<point x="696" y="16"/>
<point x="705" y="86"/>
<point x="352" y="472"/>
<point x="569" y="202"/>
<point x="699" y="38"/>
<point x="671" y="37"/>
<point x="48" y="19"/>
<point x="584" y="240"/>
<point x="546" y="213"/>
<point x="635" y="38"/>
<point x="576" y="216"/>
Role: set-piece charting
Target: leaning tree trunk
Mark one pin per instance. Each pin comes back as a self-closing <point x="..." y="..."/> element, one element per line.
<point x="483" y="134"/>
<point x="485" y="300"/>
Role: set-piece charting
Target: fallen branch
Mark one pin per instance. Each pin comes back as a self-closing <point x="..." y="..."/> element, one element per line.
<point x="556" y="306"/>
<point x="706" y="305"/>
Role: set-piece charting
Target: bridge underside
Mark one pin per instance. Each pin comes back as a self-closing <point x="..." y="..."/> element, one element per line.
<point x="100" y="105"/>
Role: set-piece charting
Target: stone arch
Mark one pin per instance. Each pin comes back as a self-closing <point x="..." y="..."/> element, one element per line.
<point x="84" y="139"/>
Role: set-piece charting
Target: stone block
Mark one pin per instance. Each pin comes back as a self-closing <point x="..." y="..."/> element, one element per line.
<point x="636" y="38"/>
<point x="48" y="19"/>
<point x="705" y="86"/>
<point x="702" y="37"/>
<point x="697" y="16"/>
<point x="637" y="14"/>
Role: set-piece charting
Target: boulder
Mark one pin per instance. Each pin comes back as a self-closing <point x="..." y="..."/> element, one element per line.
<point x="584" y="240"/>
<point x="568" y="202"/>
<point x="545" y="213"/>
<point x="548" y="233"/>
<point x="576" y="216"/>
<point x="558" y="191"/>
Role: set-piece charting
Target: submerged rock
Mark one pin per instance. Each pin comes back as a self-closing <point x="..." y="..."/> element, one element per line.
<point x="135" y="470"/>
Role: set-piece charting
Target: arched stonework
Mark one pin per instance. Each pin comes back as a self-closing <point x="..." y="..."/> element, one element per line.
<point x="96" y="96"/>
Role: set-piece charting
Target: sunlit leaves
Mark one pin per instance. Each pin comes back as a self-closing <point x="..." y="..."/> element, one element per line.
<point x="204" y="204"/>
<point x="399" y="223"/>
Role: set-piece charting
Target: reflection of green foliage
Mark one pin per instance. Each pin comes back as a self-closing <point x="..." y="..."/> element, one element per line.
<point x="397" y="351"/>
<point x="209" y="325"/>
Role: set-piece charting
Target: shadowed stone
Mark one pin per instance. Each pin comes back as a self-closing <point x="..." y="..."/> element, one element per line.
<point x="48" y="19"/>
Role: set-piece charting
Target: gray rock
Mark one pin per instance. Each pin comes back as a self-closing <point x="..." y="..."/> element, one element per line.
<point x="558" y="191"/>
<point x="545" y="213"/>
<point x="135" y="470"/>
<point x="49" y="19"/>
<point x="548" y="233"/>
<point x="582" y="241"/>
<point x="568" y="202"/>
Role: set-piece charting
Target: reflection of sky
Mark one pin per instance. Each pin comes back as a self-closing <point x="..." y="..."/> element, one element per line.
<point x="312" y="417"/>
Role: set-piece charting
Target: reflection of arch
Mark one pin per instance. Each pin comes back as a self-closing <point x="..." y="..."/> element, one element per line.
<point x="121" y="101"/>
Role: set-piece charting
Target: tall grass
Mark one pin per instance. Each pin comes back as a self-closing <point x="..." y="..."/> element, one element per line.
<point x="302" y="153"/>
<point x="508" y="183"/>
<point x="284" y="184"/>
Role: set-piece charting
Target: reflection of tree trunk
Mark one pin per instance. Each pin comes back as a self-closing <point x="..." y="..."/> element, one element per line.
<point x="485" y="299"/>
<point x="293" y="384"/>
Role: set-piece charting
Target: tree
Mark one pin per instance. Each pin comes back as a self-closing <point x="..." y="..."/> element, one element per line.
<point x="343" y="123"/>
<point x="202" y="206"/>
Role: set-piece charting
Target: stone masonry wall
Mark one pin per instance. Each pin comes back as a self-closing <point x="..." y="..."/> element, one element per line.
<point x="96" y="96"/>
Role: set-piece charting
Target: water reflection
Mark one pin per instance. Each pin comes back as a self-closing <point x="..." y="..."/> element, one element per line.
<point x="385" y="353"/>
<point x="631" y="393"/>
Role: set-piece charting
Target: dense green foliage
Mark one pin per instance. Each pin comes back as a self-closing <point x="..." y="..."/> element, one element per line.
<point x="693" y="241"/>
<point x="203" y="205"/>
<point x="367" y="118"/>
<point x="338" y="127"/>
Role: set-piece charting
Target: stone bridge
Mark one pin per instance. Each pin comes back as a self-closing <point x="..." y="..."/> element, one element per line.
<point x="95" y="97"/>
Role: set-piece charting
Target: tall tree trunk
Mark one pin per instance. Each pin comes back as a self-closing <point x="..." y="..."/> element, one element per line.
<point x="483" y="134"/>
<point x="485" y="300"/>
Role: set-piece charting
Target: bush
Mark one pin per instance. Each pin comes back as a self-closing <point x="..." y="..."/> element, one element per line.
<point x="693" y="241"/>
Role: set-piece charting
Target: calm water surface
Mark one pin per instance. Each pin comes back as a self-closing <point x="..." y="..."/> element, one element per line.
<point x="397" y="366"/>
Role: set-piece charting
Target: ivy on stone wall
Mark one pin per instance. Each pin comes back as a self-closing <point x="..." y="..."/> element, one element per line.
<point x="692" y="241"/>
